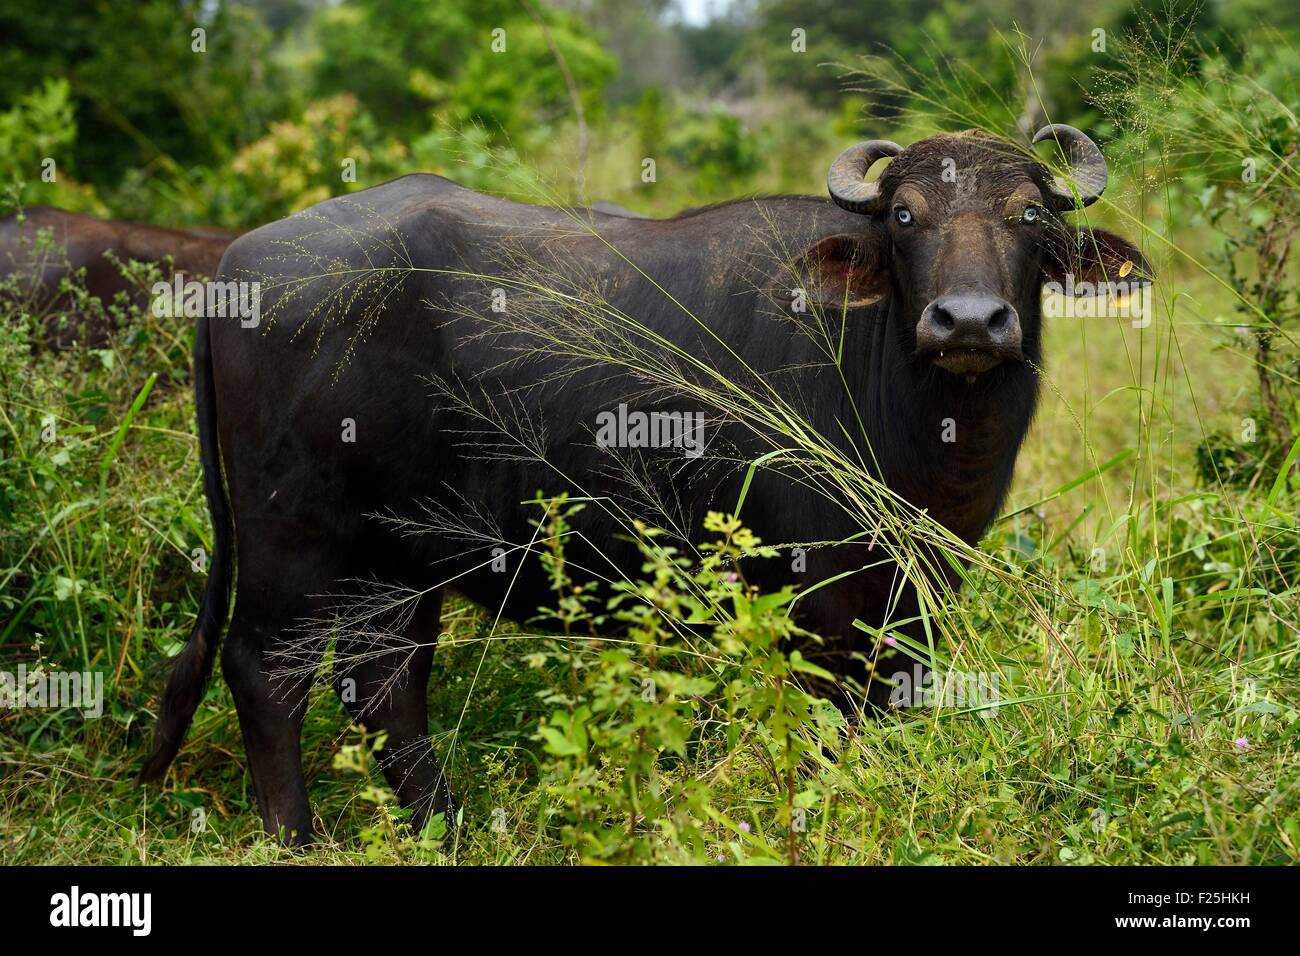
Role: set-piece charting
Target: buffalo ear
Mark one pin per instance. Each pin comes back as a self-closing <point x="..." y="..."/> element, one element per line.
<point x="845" y="271"/>
<point x="1074" y="257"/>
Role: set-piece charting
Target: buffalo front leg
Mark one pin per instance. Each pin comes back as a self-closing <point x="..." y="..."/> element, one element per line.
<point x="865" y="668"/>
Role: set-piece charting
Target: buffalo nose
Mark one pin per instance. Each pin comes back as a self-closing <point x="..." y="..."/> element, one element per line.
<point x="969" y="321"/>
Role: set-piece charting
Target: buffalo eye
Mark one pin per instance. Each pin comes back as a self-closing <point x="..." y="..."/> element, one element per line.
<point x="903" y="215"/>
<point x="1031" y="214"/>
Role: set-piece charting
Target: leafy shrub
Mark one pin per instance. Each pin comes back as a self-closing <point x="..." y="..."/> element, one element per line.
<point x="716" y="148"/>
<point x="702" y="664"/>
<point x="41" y="127"/>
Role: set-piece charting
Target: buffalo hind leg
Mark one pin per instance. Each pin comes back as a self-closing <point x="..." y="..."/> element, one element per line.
<point x="271" y="706"/>
<point x="386" y="691"/>
<point x="273" y="649"/>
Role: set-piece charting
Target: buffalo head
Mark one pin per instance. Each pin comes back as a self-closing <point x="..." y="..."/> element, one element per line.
<point x="964" y="230"/>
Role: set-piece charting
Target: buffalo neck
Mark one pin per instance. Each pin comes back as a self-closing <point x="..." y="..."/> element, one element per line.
<point x="946" y="445"/>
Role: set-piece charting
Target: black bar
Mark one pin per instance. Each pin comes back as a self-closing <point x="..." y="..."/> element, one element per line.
<point x="306" y="903"/>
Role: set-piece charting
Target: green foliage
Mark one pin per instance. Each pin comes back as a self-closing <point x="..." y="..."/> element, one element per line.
<point x="405" y="59"/>
<point x="1228" y="146"/>
<point x="532" y="94"/>
<point x="95" y="550"/>
<point x="141" y="92"/>
<point x="701" y="662"/>
<point x="388" y="52"/>
<point x="717" y="149"/>
<point x="40" y="127"/>
<point x="300" y="163"/>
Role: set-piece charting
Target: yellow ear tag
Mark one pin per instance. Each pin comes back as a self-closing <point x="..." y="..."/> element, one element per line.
<point x="1126" y="268"/>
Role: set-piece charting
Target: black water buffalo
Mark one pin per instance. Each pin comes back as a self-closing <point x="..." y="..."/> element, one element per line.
<point x="84" y="242"/>
<point x="614" y="209"/>
<point x="409" y="391"/>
